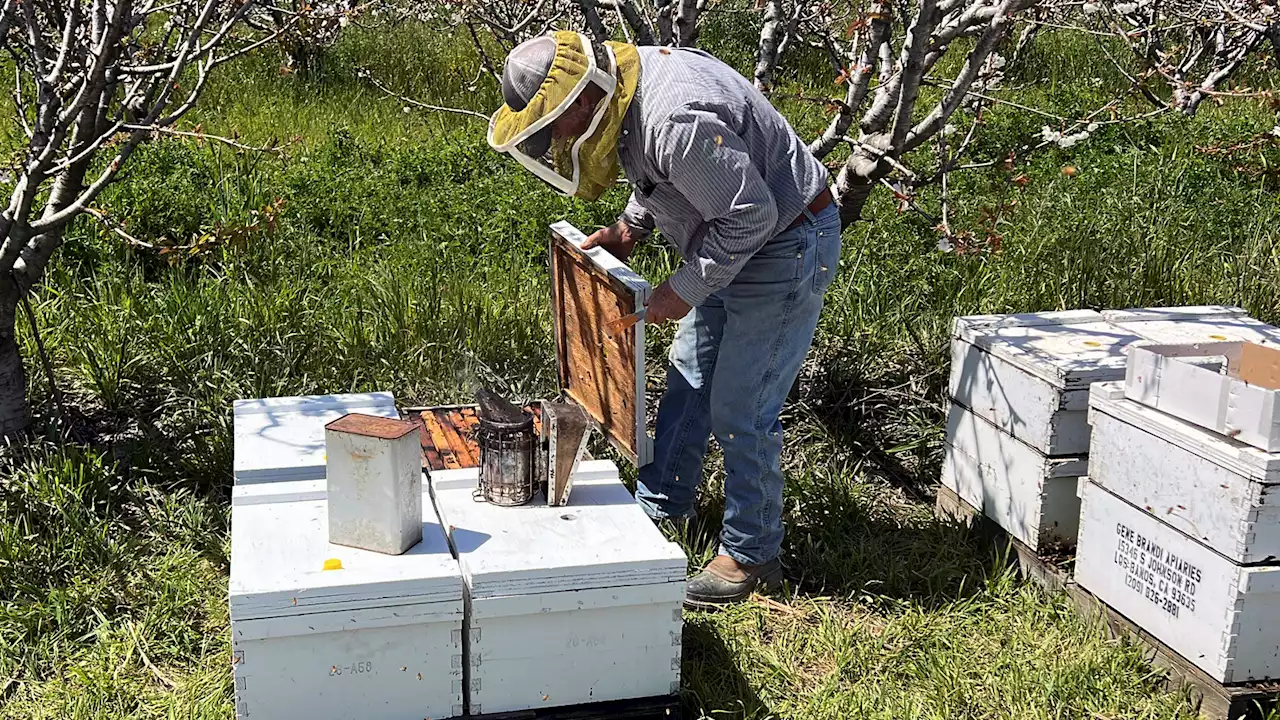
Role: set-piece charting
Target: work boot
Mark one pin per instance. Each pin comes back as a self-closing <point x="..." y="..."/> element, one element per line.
<point x="724" y="581"/>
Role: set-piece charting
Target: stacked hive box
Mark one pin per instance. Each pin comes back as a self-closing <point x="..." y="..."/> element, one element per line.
<point x="565" y="605"/>
<point x="559" y="606"/>
<point x="1017" y="431"/>
<point x="1180" y="530"/>
<point x="326" y="631"/>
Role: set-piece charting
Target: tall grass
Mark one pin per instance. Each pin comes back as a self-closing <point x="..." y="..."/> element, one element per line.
<point x="409" y="257"/>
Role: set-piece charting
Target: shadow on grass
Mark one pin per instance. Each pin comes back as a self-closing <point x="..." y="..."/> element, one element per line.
<point x="713" y="685"/>
<point x="890" y="416"/>
<point x="843" y="541"/>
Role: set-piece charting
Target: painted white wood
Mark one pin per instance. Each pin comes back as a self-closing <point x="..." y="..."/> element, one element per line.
<point x="1217" y="490"/>
<point x="375" y="490"/>
<point x="609" y="647"/>
<point x="379" y="672"/>
<point x="1236" y="456"/>
<point x="346" y="620"/>
<point x="1179" y="314"/>
<point x="600" y="539"/>
<point x="1029" y="374"/>
<point x="1022" y="404"/>
<point x="278" y="554"/>
<point x="279" y="491"/>
<point x="379" y="638"/>
<point x="1226" y="324"/>
<point x="633" y="280"/>
<point x="1067" y="356"/>
<point x="973" y="323"/>
<point x="1218" y="615"/>
<point x="282" y="438"/>
<point x="1031" y="496"/>
<point x="1168" y="378"/>
<point x="566" y="605"/>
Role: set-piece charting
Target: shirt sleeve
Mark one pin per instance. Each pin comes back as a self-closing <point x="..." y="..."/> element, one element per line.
<point x="710" y="166"/>
<point x="638" y="218"/>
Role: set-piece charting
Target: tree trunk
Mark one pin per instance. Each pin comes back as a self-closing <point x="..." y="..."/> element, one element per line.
<point x="853" y="189"/>
<point x="687" y="12"/>
<point x="14" y="418"/>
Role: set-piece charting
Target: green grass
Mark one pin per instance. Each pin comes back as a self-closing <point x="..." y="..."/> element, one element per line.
<point x="409" y="257"/>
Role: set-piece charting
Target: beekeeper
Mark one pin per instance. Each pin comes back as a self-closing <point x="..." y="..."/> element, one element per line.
<point x="720" y="172"/>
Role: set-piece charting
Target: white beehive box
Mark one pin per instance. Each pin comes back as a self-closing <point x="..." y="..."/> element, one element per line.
<point x="1030" y="495"/>
<point x="1030" y="374"/>
<point x="1207" y="323"/>
<point x="378" y="639"/>
<point x="1220" y="616"/>
<point x="283" y="438"/>
<point x="566" y="605"/>
<point x="1240" y="403"/>
<point x="1220" y="491"/>
<point x="374" y="482"/>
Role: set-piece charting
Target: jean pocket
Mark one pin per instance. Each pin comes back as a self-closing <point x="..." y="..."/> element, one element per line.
<point x="781" y="259"/>
<point x="827" y="252"/>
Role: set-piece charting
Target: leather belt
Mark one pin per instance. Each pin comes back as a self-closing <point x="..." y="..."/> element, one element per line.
<point x="819" y="204"/>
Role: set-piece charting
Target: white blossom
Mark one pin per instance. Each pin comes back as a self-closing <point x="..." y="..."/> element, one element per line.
<point x="944" y="244"/>
<point x="948" y="129"/>
<point x="1089" y="8"/>
<point x="1126" y="8"/>
<point x="1060" y="139"/>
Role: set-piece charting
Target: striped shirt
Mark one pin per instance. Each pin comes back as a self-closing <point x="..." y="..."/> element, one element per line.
<point x="712" y="164"/>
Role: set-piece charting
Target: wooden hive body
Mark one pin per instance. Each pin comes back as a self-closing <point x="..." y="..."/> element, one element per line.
<point x="378" y="638"/>
<point x="565" y="605"/>
<point x="1231" y="388"/>
<point x="1028" y="376"/>
<point x="1218" y="615"/>
<point x="1030" y="495"/>
<point x="1219" y="491"/>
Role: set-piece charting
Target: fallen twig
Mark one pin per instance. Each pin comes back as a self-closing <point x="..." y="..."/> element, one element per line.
<point x="137" y="641"/>
<point x="779" y="607"/>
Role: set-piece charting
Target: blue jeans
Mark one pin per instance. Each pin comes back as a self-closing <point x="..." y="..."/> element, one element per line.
<point x="732" y="363"/>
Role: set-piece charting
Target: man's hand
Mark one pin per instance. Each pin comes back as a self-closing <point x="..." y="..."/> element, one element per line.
<point x="616" y="239"/>
<point x="664" y="304"/>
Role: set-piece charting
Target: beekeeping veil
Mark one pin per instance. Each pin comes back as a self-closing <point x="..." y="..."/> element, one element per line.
<point x="542" y="80"/>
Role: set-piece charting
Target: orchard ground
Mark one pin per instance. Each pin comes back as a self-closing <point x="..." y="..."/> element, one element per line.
<point x="390" y="249"/>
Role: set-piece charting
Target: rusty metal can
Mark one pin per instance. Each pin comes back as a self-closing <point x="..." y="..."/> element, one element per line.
<point x="508" y="471"/>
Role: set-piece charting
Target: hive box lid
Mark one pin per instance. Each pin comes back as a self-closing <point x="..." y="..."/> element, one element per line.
<point x="1242" y="459"/>
<point x="1071" y="349"/>
<point x="282" y="438"/>
<point x="278" y="554"/>
<point x="601" y="539"/>
<point x="1068" y="349"/>
<point x="603" y="373"/>
<point x="1196" y="324"/>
